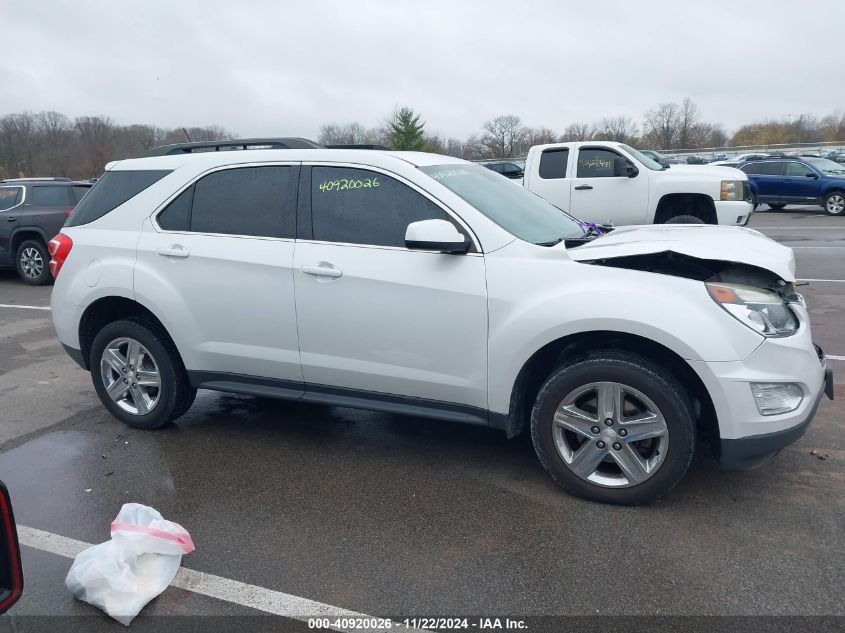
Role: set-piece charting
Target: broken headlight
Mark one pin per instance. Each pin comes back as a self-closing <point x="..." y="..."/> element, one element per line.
<point x="763" y="311"/>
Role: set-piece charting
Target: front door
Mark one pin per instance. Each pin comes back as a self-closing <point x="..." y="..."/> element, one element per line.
<point x="601" y="192"/>
<point x="216" y="262"/>
<point x="801" y="188"/>
<point x="376" y="319"/>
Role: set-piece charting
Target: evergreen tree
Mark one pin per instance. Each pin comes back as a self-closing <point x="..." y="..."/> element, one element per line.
<point x="406" y="131"/>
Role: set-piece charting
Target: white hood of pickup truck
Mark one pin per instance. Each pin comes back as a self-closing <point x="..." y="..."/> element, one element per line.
<point x="721" y="243"/>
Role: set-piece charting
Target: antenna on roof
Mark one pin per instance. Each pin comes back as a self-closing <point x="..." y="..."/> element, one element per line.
<point x="187" y="136"/>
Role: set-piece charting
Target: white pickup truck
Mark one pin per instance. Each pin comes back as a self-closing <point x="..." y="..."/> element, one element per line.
<point x="605" y="182"/>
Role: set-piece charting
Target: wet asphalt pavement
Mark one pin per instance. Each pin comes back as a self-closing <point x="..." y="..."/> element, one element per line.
<point x="390" y="515"/>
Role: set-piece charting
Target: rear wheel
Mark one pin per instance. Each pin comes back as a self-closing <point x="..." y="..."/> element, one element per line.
<point x="139" y="375"/>
<point x="614" y="427"/>
<point x="777" y="206"/>
<point x="31" y="262"/>
<point x="834" y="203"/>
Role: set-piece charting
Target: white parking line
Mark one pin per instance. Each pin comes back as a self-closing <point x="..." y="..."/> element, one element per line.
<point x="15" y="305"/>
<point x="833" y="281"/>
<point x="252" y="596"/>
<point x="797" y="247"/>
<point x="836" y="357"/>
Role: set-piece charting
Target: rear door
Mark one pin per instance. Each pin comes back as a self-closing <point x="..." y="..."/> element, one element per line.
<point x="216" y="262"/>
<point x="770" y="180"/>
<point x="601" y="192"/>
<point x="47" y="207"/>
<point x="11" y="203"/>
<point x="551" y="180"/>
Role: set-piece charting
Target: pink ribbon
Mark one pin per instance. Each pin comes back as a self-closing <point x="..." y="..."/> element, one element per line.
<point x="185" y="541"/>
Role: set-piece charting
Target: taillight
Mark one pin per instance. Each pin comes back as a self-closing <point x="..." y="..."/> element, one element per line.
<point x="59" y="248"/>
<point x="68" y="212"/>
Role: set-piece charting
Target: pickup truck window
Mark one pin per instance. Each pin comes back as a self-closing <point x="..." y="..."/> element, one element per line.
<point x="553" y="163"/>
<point x="517" y="210"/>
<point x="645" y="159"/>
<point x="597" y="162"/>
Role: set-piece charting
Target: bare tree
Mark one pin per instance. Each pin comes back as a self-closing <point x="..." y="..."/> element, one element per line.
<point x="661" y="125"/>
<point x="620" y="129"/>
<point x="502" y="136"/>
<point x="577" y="132"/>
<point x="345" y="134"/>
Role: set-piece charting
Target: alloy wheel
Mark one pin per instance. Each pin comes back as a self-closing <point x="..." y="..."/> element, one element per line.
<point x="32" y="264"/>
<point x="131" y="376"/>
<point x="610" y="434"/>
<point x="836" y="204"/>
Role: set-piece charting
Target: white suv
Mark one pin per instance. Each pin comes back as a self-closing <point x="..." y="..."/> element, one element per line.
<point x="421" y="284"/>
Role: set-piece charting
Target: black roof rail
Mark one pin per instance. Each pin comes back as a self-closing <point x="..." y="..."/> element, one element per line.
<point x="357" y="146"/>
<point x="234" y="144"/>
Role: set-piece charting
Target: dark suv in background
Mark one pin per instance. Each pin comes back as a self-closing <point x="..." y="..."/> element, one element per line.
<point x="32" y="211"/>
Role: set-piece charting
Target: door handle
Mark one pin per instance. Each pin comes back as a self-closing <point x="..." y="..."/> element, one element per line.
<point x="11" y="219"/>
<point x="323" y="269"/>
<point x="176" y="251"/>
<point x="583" y="187"/>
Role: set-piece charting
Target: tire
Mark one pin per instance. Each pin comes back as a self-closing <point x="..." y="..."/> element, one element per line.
<point x="685" y="219"/>
<point x="834" y="203"/>
<point x="777" y="206"/>
<point x="32" y="263"/>
<point x="645" y="387"/>
<point x="168" y="393"/>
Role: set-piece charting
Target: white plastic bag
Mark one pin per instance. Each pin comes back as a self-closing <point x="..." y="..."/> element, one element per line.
<point x="122" y="575"/>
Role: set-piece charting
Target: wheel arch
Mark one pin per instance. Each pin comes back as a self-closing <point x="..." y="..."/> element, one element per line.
<point x="23" y="234"/>
<point x="106" y="310"/>
<point x="538" y="367"/>
<point x="697" y="204"/>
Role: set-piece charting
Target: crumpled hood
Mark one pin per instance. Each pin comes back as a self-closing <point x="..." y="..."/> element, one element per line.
<point x="720" y="243"/>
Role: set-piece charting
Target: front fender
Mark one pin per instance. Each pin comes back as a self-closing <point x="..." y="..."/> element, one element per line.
<point x="535" y="301"/>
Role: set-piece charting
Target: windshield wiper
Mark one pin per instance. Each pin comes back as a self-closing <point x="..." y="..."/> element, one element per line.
<point x="551" y="243"/>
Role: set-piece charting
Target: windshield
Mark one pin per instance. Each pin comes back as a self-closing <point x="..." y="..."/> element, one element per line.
<point x="827" y="166"/>
<point x="645" y="160"/>
<point x="515" y="209"/>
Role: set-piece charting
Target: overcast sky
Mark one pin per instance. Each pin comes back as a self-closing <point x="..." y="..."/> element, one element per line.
<point x="284" y="68"/>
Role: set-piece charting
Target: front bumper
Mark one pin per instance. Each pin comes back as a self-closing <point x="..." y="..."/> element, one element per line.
<point x="733" y="212"/>
<point x="750" y="452"/>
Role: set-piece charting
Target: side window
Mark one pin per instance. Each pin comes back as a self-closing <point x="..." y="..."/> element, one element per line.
<point x="553" y="163"/>
<point x="79" y="191"/>
<point x="10" y="196"/>
<point x="112" y="190"/>
<point x="751" y="168"/>
<point x="177" y="215"/>
<point x="599" y="163"/>
<point x="797" y="169"/>
<point x="772" y="168"/>
<point x="259" y="201"/>
<point x="46" y="196"/>
<point x="357" y="206"/>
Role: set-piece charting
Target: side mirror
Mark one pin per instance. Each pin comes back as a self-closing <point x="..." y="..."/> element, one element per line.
<point x="631" y="170"/>
<point x="435" y="235"/>
<point x="812" y="174"/>
<point x="11" y="571"/>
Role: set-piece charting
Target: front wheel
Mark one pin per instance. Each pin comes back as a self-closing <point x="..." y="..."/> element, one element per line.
<point x="834" y="203"/>
<point x="685" y="219"/>
<point x="139" y="375"/>
<point x="614" y="427"/>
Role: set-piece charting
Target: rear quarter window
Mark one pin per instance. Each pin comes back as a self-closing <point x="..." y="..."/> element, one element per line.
<point x="10" y="196"/>
<point x="51" y="196"/>
<point x="111" y="191"/>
